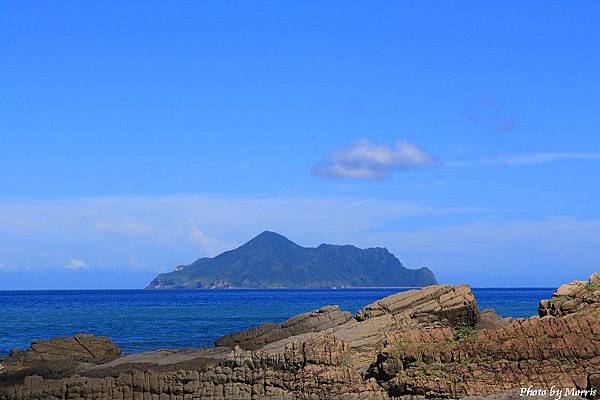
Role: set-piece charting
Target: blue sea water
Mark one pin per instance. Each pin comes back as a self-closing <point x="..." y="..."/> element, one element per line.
<point x="140" y="320"/>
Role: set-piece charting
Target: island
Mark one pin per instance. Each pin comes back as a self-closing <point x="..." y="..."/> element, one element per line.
<point x="271" y="260"/>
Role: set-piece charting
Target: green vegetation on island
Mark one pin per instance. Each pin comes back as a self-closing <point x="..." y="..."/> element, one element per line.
<point x="270" y="260"/>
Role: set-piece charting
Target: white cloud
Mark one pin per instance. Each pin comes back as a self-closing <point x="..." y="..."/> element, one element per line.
<point x="366" y="160"/>
<point x="9" y="267"/>
<point x="525" y="159"/>
<point x="542" y="158"/>
<point x="209" y="245"/>
<point x="75" y="264"/>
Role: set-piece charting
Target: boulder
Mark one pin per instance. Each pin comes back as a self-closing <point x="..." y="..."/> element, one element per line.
<point x="58" y="357"/>
<point x="78" y="348"/>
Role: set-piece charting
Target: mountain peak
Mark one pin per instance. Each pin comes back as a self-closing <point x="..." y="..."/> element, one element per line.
<point x="270" y="238"/>
<point x="270" y="235"/>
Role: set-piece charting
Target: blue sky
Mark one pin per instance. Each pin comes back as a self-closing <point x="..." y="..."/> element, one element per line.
<point x="136" y="136"/>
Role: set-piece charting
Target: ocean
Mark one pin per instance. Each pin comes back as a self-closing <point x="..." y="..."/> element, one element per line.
<point x="141" y="320"/>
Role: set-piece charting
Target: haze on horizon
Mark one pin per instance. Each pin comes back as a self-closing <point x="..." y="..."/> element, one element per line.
<point x="137" y="136"/>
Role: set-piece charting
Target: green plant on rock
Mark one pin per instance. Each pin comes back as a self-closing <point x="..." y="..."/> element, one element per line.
<point x="564" y="297"/>
<point x="438" y="365"/>
<point x="464" y="331"/>
<point x="400" y="345"/>
<point x="467" y="362"/>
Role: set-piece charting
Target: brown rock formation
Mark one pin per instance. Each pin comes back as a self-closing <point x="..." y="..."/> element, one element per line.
<point x="314" y="321"/>
<point x="79" y="348"/>
<point x="302" y="370"/>
<point x="488" y="319"/>
<point x="441" y="362"/>
<point x="572" y="297"/>
<point x="58" y="357"/>
<point x="430" y="343"/>
<point x="454" y="304"/>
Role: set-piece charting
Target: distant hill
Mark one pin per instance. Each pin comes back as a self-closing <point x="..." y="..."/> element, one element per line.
<point x="271" y="260"/>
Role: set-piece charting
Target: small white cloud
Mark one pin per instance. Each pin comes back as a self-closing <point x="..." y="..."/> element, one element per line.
<point x="366" y="160"/>
<point x="8" y="267"/>
<point x="75" y="264"/>
<point x="541" y="158"/>
<point x="525" y="159"/>
<point x="208" y="244"/>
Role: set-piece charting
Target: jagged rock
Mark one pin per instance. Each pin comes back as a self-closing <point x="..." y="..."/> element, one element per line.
<point x="368" y="332"/>
<point x="314" y="321"/>
<point x="456" y="304"/>
<point x="314" y="370"/>
<point x="572" y="297"/>
<point x="542" y="352"/>
<point x="496" y="355"/>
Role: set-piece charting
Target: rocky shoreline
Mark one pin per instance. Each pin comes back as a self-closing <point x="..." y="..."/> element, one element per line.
<point x="432" y="343"/>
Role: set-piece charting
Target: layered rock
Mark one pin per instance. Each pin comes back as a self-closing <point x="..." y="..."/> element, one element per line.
<point x="315" y="321"/>
<point x="454" y="304"/>
<point x="372" y="327"/>
<point x="572" y="297"/>
<point x="414" y="345"/>
<point x="312" y="370"/>
<point x="488" y="319"/>
<point x="79" y="348"/>
<point x="442" y="362"/>
<point x="498" y="355"/>
<point x="58" y="357"/>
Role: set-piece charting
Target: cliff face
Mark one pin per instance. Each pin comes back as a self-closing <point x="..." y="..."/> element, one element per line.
<point x="428" y="343"/>
<point x="271" y="260"/>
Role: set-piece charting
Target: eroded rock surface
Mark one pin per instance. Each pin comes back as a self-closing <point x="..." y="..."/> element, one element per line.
<point x="489" y="319"/>
<point x="455" y="304"/>
<point x="542" y="352"/>
<point x="414" y="345"/>
<point x="572" y="297"/>
<point x="58" y="357"/>
<point x="314" y="321"/>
